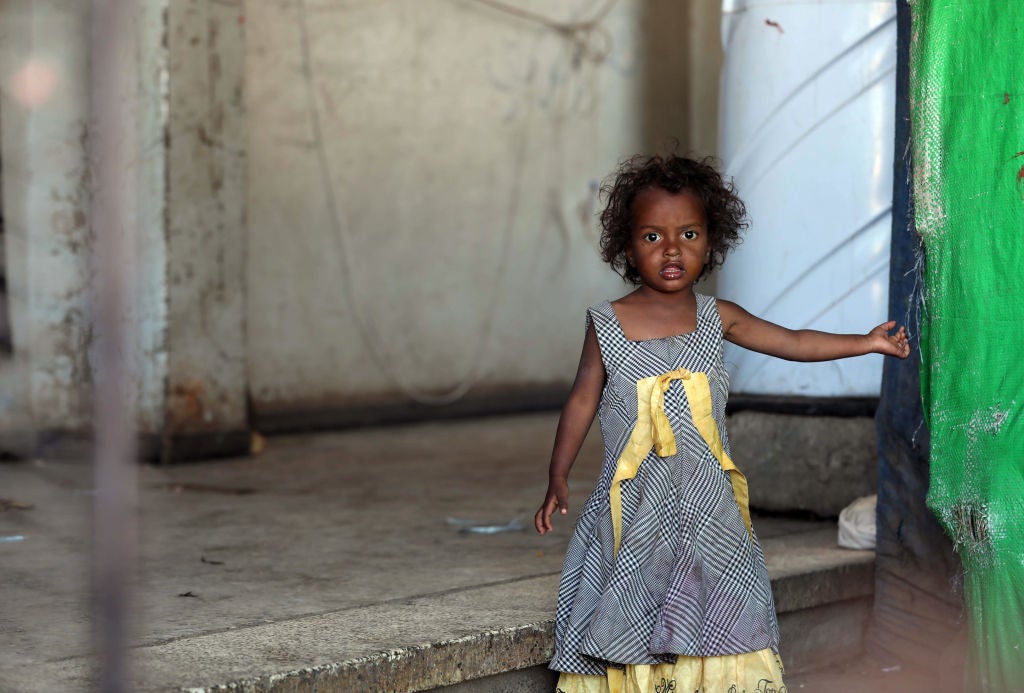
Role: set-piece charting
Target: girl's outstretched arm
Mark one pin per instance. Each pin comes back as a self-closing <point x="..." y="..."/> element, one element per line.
<point x="577" y="416"/>
<point x="751" y="332"/>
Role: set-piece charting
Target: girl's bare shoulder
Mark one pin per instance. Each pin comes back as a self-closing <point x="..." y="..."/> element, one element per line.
<point x="728" y="310"/>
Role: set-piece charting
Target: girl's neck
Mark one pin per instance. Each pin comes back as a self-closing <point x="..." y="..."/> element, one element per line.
<point x="649" y="314"/>
<point x="654" y="298"/>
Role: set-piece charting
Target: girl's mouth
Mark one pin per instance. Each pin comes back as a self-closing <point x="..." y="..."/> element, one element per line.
<point x="671" y="272"/>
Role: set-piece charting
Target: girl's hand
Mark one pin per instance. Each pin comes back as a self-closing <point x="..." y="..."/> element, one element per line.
<point x="557" y="498"/>
<point x="895" y="344"/>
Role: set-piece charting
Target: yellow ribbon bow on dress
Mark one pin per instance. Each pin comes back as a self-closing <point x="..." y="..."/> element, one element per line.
<point x="654" y="430"/>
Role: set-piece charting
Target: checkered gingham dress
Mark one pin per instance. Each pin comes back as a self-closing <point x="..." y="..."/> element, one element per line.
<point x="688" y="578"/>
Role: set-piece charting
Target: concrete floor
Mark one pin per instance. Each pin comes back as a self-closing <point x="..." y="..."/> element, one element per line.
<point x="343" y="539"/>
<point x="874" y="676"/>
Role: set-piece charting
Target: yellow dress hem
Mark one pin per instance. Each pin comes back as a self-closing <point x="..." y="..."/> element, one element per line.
<point x="751" y="672"/>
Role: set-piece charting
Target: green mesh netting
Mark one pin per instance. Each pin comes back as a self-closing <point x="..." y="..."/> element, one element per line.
<point x="967" y="112"/>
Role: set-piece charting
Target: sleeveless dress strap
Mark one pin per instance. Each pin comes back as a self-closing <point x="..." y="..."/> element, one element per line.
<point x="610" y="338"/>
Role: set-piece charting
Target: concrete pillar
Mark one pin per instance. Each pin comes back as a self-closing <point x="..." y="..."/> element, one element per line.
<point x="188" y="314"/>
<point x="205" y="223"/>
<point x="44" y="68"/>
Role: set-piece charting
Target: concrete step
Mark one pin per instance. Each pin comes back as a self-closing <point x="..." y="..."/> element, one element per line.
<point x="823" y="595"/>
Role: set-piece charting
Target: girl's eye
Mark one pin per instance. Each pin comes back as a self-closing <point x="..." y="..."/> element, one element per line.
<point x="689" y="235"/>
<point x="652" y="237"/>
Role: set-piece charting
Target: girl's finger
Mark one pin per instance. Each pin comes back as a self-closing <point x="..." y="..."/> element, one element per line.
<point x="549" y="510"/>
<point x="542" y="521"/>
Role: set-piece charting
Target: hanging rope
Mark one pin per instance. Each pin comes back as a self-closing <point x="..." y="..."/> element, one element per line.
<point x="581" y="33"/>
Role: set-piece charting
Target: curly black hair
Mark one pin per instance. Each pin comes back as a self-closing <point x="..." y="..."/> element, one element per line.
<point x="725" y="212"/>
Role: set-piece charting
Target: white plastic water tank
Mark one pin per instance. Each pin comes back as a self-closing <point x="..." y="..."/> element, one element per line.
<point x="806" y="130"/>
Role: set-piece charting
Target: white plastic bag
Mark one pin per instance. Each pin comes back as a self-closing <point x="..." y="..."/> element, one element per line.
<point x="857" y="524"/>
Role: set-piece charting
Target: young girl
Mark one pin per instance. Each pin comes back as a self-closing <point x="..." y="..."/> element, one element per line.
<point x="664" y="586"/>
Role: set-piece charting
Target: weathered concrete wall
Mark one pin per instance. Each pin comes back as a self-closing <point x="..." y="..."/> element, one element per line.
<point x="205" y="218"/>
<point x="15" y="414"/>
<point x="45" y="385"/>
<point x="187" y="316"/>
<point x="421" y="197"/>
<point x="817" y="464"/>
<point x="45" y="198"/>
<point x="150" y="302"/>
<point x="422" y="183"/>
<point x="704" y="42"/>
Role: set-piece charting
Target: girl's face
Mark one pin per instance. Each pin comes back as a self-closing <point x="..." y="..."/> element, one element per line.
<point x="669" y="247"/>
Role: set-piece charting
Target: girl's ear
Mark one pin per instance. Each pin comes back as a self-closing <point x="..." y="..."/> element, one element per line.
<point x="629" y="258"/>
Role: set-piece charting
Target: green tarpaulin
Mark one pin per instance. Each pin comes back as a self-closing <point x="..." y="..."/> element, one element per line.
<point x="967" y="119"/>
